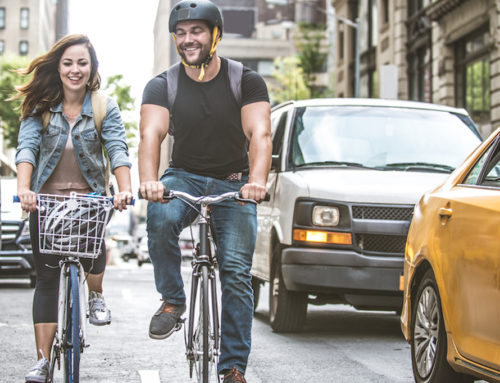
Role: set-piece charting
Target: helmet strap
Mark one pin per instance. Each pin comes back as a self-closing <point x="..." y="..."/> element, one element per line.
<point x="202" y="66"/>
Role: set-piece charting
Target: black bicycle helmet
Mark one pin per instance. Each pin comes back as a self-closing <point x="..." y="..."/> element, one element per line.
<point x="195" y="10"/>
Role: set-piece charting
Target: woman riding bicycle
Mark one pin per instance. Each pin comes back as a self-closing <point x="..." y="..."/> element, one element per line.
<point x="61" y="156"/>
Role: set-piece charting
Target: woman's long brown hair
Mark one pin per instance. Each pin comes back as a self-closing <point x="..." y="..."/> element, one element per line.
<point x="45" y="90"/>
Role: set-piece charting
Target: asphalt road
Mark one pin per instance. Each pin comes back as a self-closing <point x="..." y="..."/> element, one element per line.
<point x="338" y="344"/>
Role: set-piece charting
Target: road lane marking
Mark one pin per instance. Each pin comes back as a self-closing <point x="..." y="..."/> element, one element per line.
<point x="149" y="376"/>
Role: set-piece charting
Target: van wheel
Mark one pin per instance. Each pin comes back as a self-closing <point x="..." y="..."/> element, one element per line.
<point x="428" y="337"/>
<point x="287" y="309"/>
<point x="256" y="283"/>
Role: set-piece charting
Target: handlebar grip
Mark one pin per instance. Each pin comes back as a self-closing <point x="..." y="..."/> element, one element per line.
<point x="266" y="198"/>
<point x="15" y="199"/>
<point x="132" y="202"/>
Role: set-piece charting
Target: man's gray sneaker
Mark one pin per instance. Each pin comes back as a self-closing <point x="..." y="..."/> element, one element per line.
<point x="39" y="373"/>
<point x="166" y="320"/>
<point x="99" y="315"/>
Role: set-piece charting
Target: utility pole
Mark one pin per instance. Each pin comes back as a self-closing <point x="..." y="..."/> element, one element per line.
<point x="61" y="19"/>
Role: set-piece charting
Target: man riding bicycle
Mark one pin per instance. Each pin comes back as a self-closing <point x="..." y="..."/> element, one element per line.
<point x="221" y="143"/>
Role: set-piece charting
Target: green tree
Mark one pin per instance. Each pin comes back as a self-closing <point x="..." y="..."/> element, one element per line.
<point x="10" y="109"/>
<point x="117" y="88"/>
<point x="289" y="81"/>
<point x="312" y="54"/>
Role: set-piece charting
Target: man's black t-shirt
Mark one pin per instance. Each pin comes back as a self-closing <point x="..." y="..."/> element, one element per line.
<point x="208" y="137"/>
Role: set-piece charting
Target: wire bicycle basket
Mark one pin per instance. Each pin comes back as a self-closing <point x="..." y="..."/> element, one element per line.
<point x="72" y="225"/>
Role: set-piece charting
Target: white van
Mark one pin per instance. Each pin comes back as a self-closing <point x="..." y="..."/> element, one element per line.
<point x="346" y="174"/>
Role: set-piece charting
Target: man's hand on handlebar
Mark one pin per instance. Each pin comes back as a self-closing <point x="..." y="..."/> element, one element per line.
<point x="152" y="191"/>
<point x="254" y="191"/>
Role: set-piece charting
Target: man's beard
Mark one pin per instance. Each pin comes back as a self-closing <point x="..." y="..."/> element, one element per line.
<point x="203" y="57"/>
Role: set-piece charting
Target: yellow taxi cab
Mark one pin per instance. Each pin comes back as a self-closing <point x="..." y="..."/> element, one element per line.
<point x="451" y="309"/>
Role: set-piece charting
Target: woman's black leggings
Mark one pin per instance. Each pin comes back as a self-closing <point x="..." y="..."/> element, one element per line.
<point x="47" y="276"/>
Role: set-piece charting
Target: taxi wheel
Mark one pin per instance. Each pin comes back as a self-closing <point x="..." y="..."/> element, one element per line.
<point x="428" y="340"/>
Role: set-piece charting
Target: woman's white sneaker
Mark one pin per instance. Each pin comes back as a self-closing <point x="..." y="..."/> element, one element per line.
<point x="99" y="314"/>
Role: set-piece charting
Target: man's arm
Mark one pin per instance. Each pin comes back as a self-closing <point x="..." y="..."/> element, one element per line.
<point x="153" y="129"/>
<point x="256" y="122"/>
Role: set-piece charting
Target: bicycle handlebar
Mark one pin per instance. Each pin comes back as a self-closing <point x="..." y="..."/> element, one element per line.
<point x="16" y="199"/>
<point x="209" y="199"/>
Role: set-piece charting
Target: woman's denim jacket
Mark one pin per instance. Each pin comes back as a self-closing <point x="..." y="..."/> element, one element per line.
<point x="44" y="150"/>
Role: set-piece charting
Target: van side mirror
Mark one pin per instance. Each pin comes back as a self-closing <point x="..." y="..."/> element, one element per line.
<point x="276" y="162"/>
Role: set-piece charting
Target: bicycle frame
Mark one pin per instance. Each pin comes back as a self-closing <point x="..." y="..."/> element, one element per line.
<point x="203" y="259"/>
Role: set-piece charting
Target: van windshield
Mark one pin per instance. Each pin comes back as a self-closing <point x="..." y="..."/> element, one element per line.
<point x="385" y="138"/>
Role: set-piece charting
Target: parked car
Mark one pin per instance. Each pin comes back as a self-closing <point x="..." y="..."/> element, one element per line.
<point x="346" y="174"/>
<point x="16" y="257"/>
<point x="451" y="310"/>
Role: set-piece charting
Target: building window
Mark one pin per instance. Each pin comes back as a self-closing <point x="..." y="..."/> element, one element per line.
<point x="369" y="84"/>
<point x="472" y="82"/>
<point x="2" y="18"/>
<point x="385" y="12"/>
<point x="420" y="75"/>
<point x="25" y="18"/>
<point x="2" y="47"/>
<point x="23" y="48"/>
<point x="341" y="41"/>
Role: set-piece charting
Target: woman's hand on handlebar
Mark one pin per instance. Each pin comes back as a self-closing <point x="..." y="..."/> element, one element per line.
<point x="27" y="199"/>
<point x="152" y="191"/>
<point x="253" y="190"/>
<point x="122" y="199"/>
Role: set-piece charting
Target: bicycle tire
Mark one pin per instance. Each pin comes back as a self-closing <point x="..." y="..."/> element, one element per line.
<point x="201" y="331"/>
<point x="71" y="345"/>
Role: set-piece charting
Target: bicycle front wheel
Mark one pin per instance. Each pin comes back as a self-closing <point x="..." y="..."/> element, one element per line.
<point x="202" y="339"/>
<point x="71" y="339"/>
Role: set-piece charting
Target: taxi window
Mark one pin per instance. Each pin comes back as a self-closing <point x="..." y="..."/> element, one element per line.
<point x="486" y="172"/>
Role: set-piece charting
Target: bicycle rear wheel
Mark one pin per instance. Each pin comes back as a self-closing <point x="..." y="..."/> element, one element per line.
<point x="71" y="339"/>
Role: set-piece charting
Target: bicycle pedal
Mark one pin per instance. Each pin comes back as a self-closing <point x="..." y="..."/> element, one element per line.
<point x="178" y="325"/>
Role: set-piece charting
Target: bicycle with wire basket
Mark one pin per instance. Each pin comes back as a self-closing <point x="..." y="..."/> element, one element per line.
<point x="202" y="333"/>
<point x="72" y="227"/>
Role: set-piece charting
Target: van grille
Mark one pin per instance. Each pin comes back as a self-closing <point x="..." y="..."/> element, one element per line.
<point x="382" y="212"/>
<point x="393" y="244"/>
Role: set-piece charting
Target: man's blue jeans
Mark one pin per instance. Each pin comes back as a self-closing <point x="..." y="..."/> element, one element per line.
<point x="235" y="231"/>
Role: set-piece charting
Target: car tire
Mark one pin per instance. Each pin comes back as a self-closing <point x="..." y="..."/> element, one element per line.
<point x="428" y="337"/>
<point x="32" y="281"/>
<point x="287" y="309"/>
<point x="256" y="284"/>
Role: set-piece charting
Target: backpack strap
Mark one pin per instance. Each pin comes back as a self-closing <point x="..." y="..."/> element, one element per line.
<point x="235" y="73"/>
<point x="99" y="103"/>
<point x="172" y="83"/>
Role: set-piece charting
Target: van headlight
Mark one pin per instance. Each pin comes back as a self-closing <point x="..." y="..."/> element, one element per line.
<point x="325" y="216"/>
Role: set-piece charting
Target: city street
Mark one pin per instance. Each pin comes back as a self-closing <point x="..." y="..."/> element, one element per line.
<point x="338" y="344"/>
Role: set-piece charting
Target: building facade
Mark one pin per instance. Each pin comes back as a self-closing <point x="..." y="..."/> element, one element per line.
<point x="440" y="51"/>
<point x="27" y="27"/>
